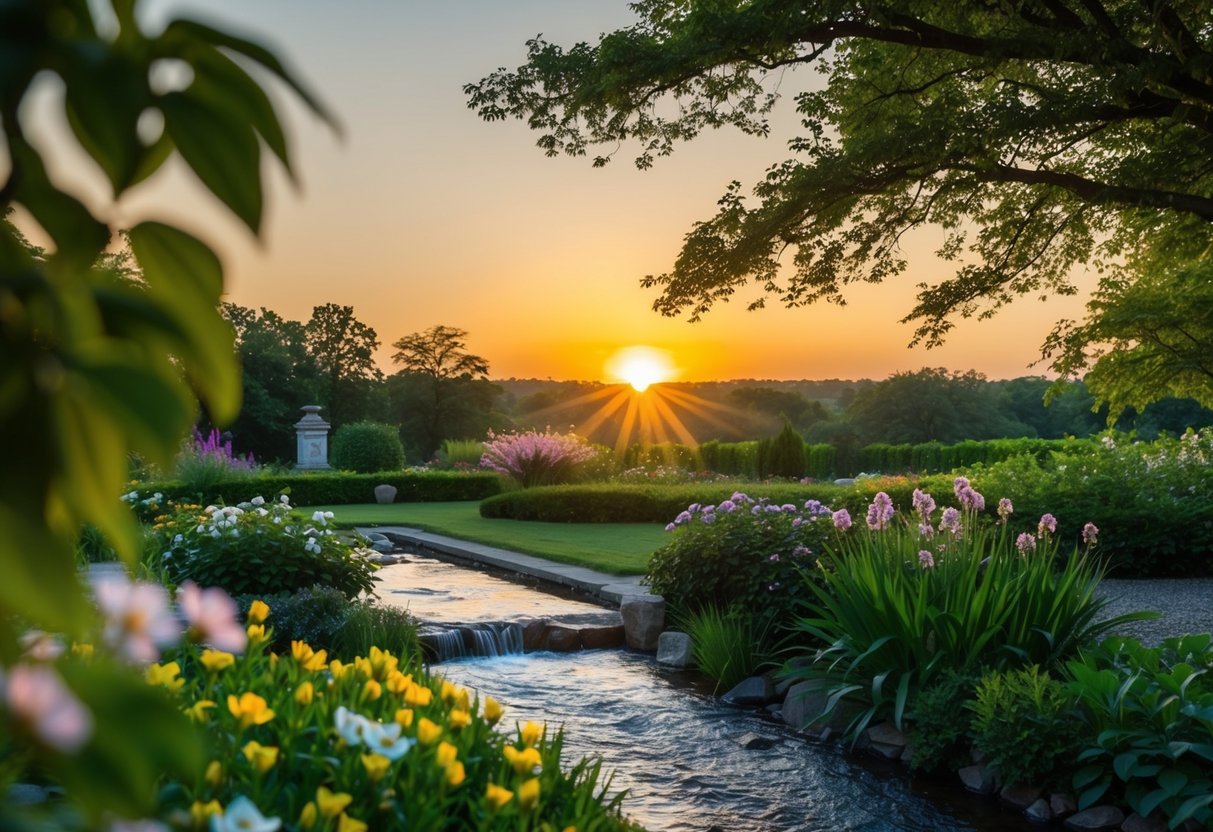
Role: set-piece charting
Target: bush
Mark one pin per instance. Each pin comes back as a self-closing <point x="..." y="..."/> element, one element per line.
<point x="783" y="455"/>
<point x="1024" y="723"/>
<point x="533" y="458"/>
<point x="1148" y="714"/>
<point x="942" y="722"/>
<point x="314" y="615"/>
<point x="1152" y="502"/>
<point x="898" y="603"/>
<point x="742" y="554"/>
<point x="261" y="548"/>
<point x="726" y="645"/>
<point x="338" y="488"/>
<point x="460" y="453"/>
<point x="367" y="447"/>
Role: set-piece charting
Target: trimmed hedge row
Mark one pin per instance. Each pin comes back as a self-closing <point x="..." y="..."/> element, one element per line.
<point x="662" y="503"/>
<point x="340" y="488"/>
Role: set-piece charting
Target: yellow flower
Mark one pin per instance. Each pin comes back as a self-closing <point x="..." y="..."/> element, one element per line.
<point x="337" y="668"/>
<point x="250" y="709"/>
<point x="348" y="824"/>
<point x="497" y="796"/>
<point x="454" y="695"/>
<point x="258" y="612"/>
<point x="200" y="812"/>
<point x="309" y="659"/>
<point x="305" y="693"/>
<point x="331" y="804"/>
<point x="459" y="719"/>
<point x="379" y="664"/>
<point x="256" y="632"/>
<point x="82" y="650"/>
<point x="216" y="660"/>
<point x="418" y="696"/>
<point x="405" y="717"/>
<point x="446" y="754"/>
<point x="214" y="774"/>
<point x="376" y="766"/>
<point x="524" y="761"/>
<point x="492" y="710"/>
<point x="372" y="690"/>
<point x="531" y="733"/>
<point x="167" y="675"/>
<point x="427" y="732"/>
<point x="455" y="773"/>
<point x="569" y="829"/>
<point x="198" y="711"/>
<point x="528" y="793"/>
<point x="307" y="818"/>
<point x="261" y="757"/>
<point x="398" y="682"/>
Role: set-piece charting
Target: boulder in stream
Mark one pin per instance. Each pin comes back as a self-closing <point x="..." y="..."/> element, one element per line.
<point x="643" y="620"/>
<point x="675" y="649"/>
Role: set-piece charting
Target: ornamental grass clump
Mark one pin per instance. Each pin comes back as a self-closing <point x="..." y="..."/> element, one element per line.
<point x="536" y="458"/>
<point x="901" y="600"/>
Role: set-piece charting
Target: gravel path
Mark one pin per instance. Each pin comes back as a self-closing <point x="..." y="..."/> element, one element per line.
<point x="1186" y="605"/>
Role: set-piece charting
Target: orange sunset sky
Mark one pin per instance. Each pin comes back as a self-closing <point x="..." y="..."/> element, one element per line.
<point x="422" y="214"/>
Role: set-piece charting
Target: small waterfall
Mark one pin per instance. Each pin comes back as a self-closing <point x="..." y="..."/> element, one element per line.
<point x="493" y="639"/>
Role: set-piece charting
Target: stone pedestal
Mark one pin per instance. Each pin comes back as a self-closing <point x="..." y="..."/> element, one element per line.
<point x="312" y="441"/>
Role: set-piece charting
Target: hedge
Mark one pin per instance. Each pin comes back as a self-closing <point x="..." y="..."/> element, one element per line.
<point x="339" y="488"/>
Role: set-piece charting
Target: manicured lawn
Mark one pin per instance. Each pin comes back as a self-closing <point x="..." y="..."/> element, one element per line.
<point x="617" y="548"/>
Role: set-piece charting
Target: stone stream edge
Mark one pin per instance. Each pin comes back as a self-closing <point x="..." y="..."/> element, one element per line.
<point x="640" y="625"/>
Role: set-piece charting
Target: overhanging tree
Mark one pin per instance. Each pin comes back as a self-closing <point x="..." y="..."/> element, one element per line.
<point x="1040" y="135"/>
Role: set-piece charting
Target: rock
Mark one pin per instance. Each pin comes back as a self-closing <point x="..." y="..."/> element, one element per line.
<point x="534" y="634"/>
<point x="1096" y="818"/>
<point x="1136" y="823"/>
<point x="755" y="742"/>
<point x="1063" y="805"/>
<point x="383" y="546"/>
<point x="674" y="649"/>
<point x="26" y="794"/>
<point x="783" y="683"/>
<point x="886" y="733"/>
<point x="977" y="779"/>
<point x="375" y="536"/>
<point x="845" y="481"/>
<point x="907" y="754"/>
<point x="756" y="690"/>
<point x="805" y="702"/>
<point x="598" y="638"/>
<point x="643" y="620"/>
<point x="562" y="639"/>
<point x="1039" y="811"/>
<point x="385" y="493"/>
<point x="774" y="711"/>
<point x="1021" y="797"/>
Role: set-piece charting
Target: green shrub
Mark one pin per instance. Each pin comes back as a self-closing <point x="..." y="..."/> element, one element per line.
<point x="336" y="488"/>
<point x="668" y="454"/>
<point x="367" y="447"/>
<point x="741" y="553"/>
<point x="941" y="722"/>
<point x="1149" y="719"/>
<point x="261" y="547"/>
<point x="461" y="452"/>
<point x="782" y="455"/>
<point x="1152" y="501"/>
<point x="726" y="645"/>
<point x="1025" y="724"/>
<point x="312" y="615"/>
<point x="369" y="624"/>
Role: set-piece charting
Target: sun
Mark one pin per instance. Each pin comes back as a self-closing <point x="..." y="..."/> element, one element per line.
<point x="640" y="366"/>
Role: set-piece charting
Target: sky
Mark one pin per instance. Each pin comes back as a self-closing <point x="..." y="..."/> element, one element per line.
<point x="422" y="214"/>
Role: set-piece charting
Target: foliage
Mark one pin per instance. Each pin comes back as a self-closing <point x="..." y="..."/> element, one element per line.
<point x="206" y="461"/>
<point x="1150" y="712"/>
<point x="725" y="645"/>
<point x="536" y="458"/>
<point x="660" y="454"/>
<point x="941" y="723"/>
<point x="261" y="547"/>
<point x="899" y="602"/>
<point x="343" y="349"/>
<point x="773" y="406"/>
<point x="367" y="448"/>
<point x="662" y="475"/>
<point x="369" y="623"/>
<point x="464" y="454"/>
<point x="312" y="614"/>
<point x="735" y="458"/>
<point x="1161" y="525"/>
<point x="342" y="488"/>
<point x="743" y="553"/>
<point x="782" y="455"/>
<point x="1095" y="129"/>
<point x="1023" y="722"/>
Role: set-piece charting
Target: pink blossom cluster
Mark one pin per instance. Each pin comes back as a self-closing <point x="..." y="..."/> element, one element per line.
<point x="534" y="457"/>
<point x="880" y="512"/>
<point x="970" y="499"/>
<point x="215" y="448"/>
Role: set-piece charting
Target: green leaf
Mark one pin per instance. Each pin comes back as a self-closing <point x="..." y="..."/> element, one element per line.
<point x="1189" y="807"/>
<point x="1087" y="775"/>
<point x="78" y="236"/>
<point x="221" y="148"/>
<point x="1124" y="764"/>
<point x="39" y="569"/>
<point x="1088" y="798"/>
<point x="1172" y="781"/>
<point x="104" y="98"/>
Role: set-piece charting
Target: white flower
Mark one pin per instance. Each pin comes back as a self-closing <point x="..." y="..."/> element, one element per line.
<point x="178" y="539"/>
<point x="211" y="614"/>
<point x="386" y="739"/>
<point x="258" y="501"/>
<point x="138" y="620"/>
<point x="350" y="726"/>
<point x="285" y="500"/>
<point x="312" y="546"/>
<point x="318" y="517"/>
<point x="242" y="815"/>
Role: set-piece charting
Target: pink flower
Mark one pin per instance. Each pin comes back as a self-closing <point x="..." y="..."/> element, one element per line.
<point x="1005" y="509"/>
<point x="1025" y="543"/>
<point x="842" y="519"/>
<point x="211" y="614"/>
<point x="1047" y="525"/>
<point x="960" y="484"/>
<point x="137" y="618"/>
<point x="880" y="512"/>
<point x="37" y="697"/>
<point x="926" y="530"/>
<point x="950" y="521"/>
<point x="925" y="559"/>
<point x="1090" y="534"/>
<point x="971" y="500"/>
<point x="923" y="503"/>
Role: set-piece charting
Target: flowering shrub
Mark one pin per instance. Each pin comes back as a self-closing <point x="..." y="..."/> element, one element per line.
<point x="742" y="552"/>
<point x="206" y="460"/>
<point x="260" y="547"/>
<point x="902" y="600"/>
<point x="534" y="458"/>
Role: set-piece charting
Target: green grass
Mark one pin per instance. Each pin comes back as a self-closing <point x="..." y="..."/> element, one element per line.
<point x="615" y="548"/>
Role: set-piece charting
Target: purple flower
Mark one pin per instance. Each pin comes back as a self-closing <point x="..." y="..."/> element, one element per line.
<point x="670" y="527"/>
<point x="787" y="508"/>
<point x="815" y="507"/>
<point x="971" y="500"/>
<point x="1025" y="543"/>
<point x="842" y="519"/>
<point x="684" y="517"/>
<point x="774" y="558"/>
<point x="797" y="522"/>
<point x="1090" y="534"/>
<point x="880" y="512"/>
<point x="694" y="507"/>
<point x="709" y="509"/>
<point x="950" y="521"/>
<point x="801" y="551"/>
<point x="1005" y="509"/>
<point x="924" y="503"/>
<point x="739" y="497"/>
<point x="756" y="510"/>
<point x="960" y="484"/>
<point x="1047" y="525"/>
<point x="709" y="519"/>
<point x="925" y="559"/>
<point x="774" y="510"/>
<point x="926" y="530"/>
<point x="727" y="506"/>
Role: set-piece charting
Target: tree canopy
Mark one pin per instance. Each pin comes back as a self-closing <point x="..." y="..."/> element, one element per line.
<point x="1040" y="136"/>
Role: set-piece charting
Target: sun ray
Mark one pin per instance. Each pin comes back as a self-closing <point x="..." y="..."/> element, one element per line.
<point x="585" y="398"/>
<point x="667" y="413"/>
<point x="605" y="412"/>
<point x="629" y="421"/>
<point x="692" y="404"/>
